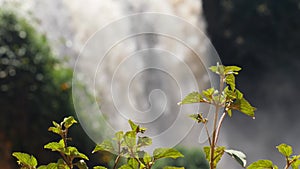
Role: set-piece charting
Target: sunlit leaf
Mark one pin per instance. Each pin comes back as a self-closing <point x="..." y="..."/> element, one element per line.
<point x="25" y="159"/>
<point x="231" y="70"/>
<point x="56" y="146"/>
<point x="72" y="151"/>
<point x="230" y="80"/>
<point x="133" y="163"/>
<point x="239" y="156"/>
<point x="130" y="138"/>
<point x="285" y="150"/>
<point x="296" y="164"/>
<point x="262" y="164"/>
<point x="144" y="141"/>
<point x="106" y="145"/>
<point x="69" y="121"/>
<point x="218" y="153"/>
<point x="166" y="153"/>
<point x="194" y="97"/>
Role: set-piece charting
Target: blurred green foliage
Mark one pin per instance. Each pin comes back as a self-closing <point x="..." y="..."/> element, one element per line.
<point x="34" y="90"/>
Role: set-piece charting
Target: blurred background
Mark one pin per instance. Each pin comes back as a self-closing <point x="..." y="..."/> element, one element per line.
<point x="40" y="40"/>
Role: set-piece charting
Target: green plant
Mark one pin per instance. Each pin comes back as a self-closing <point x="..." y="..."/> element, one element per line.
<point x="129" y="145"/>
<point x="225" y="99"/>
<point x="68" y="153"/>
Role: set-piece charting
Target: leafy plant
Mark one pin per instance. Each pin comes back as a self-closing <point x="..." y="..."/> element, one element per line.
<point x="68" y="153"/>
<point x="126" y="145"/>
<point x="225" y="99"/>
<point x="129" y="145"/>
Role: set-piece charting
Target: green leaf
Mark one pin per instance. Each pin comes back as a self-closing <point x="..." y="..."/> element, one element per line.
<point x="239" y="156"/>
<point x="144" y="141"/>
<point x="56" y="146"/>
<point x="55" y="130"/>
<point x="219" y="151"/>
<point x="147" y="158"/>
<point x="171" y="167"/>
<point x="296" y="164"/>
<point x="219" y="69"/>
<point x="69" y="121"/>
<point x="133" y="163"/>
<point x="262" y="164"/>
<point x="198" y="118"/>
<point x="231" y="70"/>
<point x="99" y="167"/>
<point x="136" y="127"/>
<point x="72" y="151"/>
<point x="106" y="145"/>
<point x="25" y="159"/>
<point x="242" y="105"/>
<point x="208" y="93"/>
<point x="194" y="97"/>
<point x="166" y="153"/>
<point x="119" y="136"/>
<point x="285" y="150"/>
<point x="130" y="139"/>
<point x="229" y="112"/>
<point x="230" y="80"/>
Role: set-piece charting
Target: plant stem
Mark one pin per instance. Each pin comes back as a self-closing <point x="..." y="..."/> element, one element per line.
<point x="214" y="137"/>
<point x="208" y="136"/>
<point x="212" y="147"/>
<point x="219" y="127"/>
<point x="117" y="161"/>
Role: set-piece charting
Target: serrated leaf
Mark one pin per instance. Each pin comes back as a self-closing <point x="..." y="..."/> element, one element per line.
<point x="242" y="105"/>
<point x="56" y="146"/>
<point x="231" y="70"/>
<point x="194" y="97"/>
<point x="130" y="138"/>
<point x="262" y="164"/>
<point x="285" y="150"/>
<point x="296" y="164"/>
<point x="230" y="80"/>
<point x="99" y="167"/>
<point x="166" y="153"/>
<point x="239" y="156"/>
<point x="144" y="141"/>
<point x="25" y="159"/>
<point x="72" y="151"/>
<point x="171" y="167"/>
<point x="208" y="93"/>
<point x="69" y="121"/>
<point x="106" y="145"/>
<point x="56" y="130"/>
